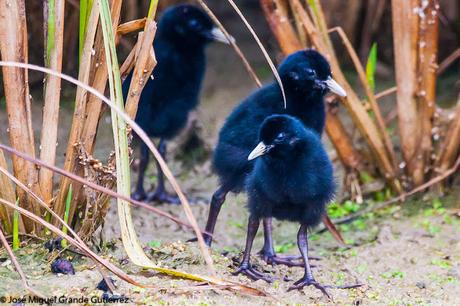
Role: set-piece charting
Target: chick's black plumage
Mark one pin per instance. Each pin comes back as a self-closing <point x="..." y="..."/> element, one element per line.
<point x="303" y="75"/>
<point x="174" y="88"/>
<point x="292" y="179"/>
<point x="306" y="78"/>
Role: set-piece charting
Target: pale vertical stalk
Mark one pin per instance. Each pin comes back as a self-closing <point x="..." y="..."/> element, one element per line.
<point x="129" y="236"/>
<point x="54" y="47"/>
<point x="405" y="31"/>
<point x="13" y="47"/>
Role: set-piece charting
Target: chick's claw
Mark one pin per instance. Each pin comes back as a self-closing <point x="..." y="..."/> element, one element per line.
<point x="138" y="195"/>
<point x="162" y="197"/>
<point x="252" y="273"/>
<point x="298" y="285"/>
<point x="278" y="260"/>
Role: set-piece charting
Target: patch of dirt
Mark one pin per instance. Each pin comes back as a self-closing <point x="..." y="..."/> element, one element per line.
<point x="401" y="259"/>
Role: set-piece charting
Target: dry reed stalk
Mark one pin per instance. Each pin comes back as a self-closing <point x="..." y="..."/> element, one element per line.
<point x="7" y="192"/>
<point x="131" y="26"/>
<point x="373" y="17"/>
<point x="336" y="131"/>
<point x="54" y="38"/>
<point x="450" y="148"/>
<point x="92" y="185"/>
<point x="13" y="47"/>
<point x="79" y="112"/>
<point x="352" y="102"/>
<point x="369" y="93"/>
<point x="128" y="64"/>
<point x="427" y="75"/>
<point x="281" y="28"/>
<point x="319" y="19"/>
<point x="143" y="68"/>
<point x="145" y="62"/>
<point x="405" y="32"/>
<point x="338" y="136"/>
<point x="94" y="106"/>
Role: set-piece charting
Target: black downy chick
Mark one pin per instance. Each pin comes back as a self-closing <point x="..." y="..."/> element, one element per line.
<point x="292" y="179"/>
<point x="306" y="78"/>
<point x="173" y="90"/>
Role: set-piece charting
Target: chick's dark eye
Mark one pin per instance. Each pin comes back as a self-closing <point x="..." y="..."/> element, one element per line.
<point x="294" y="76"/>
<point x="194" y="24"/>
<point x="280" y="136"/>
<point x="310" y="72"/>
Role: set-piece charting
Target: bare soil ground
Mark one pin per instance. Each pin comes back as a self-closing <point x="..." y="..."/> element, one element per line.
<point x="408" y="255"/>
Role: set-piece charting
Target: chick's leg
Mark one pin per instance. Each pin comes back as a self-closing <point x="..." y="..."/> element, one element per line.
<point x="307" y="279"/>
<point x="245" y="266"/>
<point x="160" y="194"/>
<point x="268" y="253"/>
<point x="139" y="192"/>
<point x="218" y="199"/>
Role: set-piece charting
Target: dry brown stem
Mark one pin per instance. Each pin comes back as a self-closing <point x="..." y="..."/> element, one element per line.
<point x="13" y="47"/>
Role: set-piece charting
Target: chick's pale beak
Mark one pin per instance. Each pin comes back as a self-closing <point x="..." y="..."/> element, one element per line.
<point x="260" y="150"/>
<point x="335" y="87"/>
<point x="217" y="35"/>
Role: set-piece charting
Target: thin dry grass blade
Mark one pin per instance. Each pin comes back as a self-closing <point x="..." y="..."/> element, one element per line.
<point x="441" y="177"/>
<point x="54" y="45"/>
<point x="448" y="61"/>
<point x="16" y="264"/>
<point x="13" y="47"/>
<point x="261" y="47"/>
<point x="386" y="92"/>
<point x="228" y="284"/>
<point x="235" y="46"/>
<point x="128" y="64"/>
<point x="92" y="185"/>
<point x="450" y="148"/>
